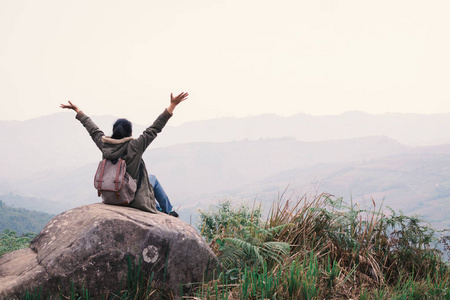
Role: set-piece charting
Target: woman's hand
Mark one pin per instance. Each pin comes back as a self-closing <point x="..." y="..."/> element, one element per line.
<point x="71" y="106"/>
<point x="174" y="101"/>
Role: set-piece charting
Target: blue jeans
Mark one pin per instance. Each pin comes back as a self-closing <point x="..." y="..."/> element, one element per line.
<point x="162" y="201"/>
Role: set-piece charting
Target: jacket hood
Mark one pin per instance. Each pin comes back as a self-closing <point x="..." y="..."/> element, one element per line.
<point x="113" y="148"/>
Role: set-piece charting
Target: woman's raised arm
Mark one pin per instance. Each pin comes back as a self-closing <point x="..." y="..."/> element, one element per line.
<point x="93" y="130"/>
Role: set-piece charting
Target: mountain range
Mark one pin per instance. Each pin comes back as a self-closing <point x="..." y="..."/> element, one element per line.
<point x="398" y="160"/>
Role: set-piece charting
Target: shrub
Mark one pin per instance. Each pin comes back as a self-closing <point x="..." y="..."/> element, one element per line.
<point x="10" y="241"/>
<point x="325" y="248"/>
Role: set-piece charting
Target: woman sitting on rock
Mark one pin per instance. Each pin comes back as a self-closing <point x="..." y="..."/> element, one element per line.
<point x="121" y="145"/>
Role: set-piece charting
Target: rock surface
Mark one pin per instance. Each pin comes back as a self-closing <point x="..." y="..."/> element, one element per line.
<point x="90" y="246"/>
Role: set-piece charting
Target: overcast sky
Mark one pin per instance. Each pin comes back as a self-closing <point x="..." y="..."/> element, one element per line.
<point x="234" y="57"/>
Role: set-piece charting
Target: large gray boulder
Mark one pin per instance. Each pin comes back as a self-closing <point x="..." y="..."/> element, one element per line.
<point x="90" y="246"/>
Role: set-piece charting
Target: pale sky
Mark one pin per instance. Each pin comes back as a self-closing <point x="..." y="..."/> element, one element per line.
<point x="235" y="57"/>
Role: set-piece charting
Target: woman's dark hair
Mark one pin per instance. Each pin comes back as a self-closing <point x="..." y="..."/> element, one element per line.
<point x="122" y="128"/>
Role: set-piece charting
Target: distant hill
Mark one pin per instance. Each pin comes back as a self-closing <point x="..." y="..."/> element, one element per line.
<point x="190" y="171"/>
<point x="408" y="129"/>
<point x="416" y="181"/>
<point x="51" y="160"/>
<point x="33" y="203"/>
<point x="199" y="168"/>
<point x="59" y="141"/>
<point x="22" y="220"/>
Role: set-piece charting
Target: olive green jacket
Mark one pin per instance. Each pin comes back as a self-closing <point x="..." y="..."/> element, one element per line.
<point x="131" y="150"/>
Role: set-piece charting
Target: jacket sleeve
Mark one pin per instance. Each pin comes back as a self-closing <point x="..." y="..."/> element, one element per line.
<point x="143" y="141"/>
<point x="95" y="133"/>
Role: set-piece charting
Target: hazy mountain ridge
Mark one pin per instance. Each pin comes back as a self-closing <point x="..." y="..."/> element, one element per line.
<point x="212" y="166"/>
<point x="409" y="129"/>
<point x="22" y="220"/>
<point x="415" y="181"/>
<point x="61" y="133"/>
<point x="242" y="162"/>
<point x="53" y="158"/>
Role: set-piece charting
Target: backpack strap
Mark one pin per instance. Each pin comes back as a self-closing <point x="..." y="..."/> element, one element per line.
<point x="100" y="178"/>
<point x="119" y="167"/>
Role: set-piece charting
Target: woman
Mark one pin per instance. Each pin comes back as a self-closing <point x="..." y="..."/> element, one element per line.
<point x="122" y="145"/>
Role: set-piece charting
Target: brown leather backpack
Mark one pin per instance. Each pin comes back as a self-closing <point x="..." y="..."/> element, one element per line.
<point x="113" y="183"/>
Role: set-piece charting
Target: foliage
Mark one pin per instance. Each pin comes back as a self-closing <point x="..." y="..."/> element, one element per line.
<point x="336" y="251"/>
<point x="241" y="238"/>
<point x="10" y="241"/>
<point x="224" y="217"/>
<point x="22" y="220"/>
